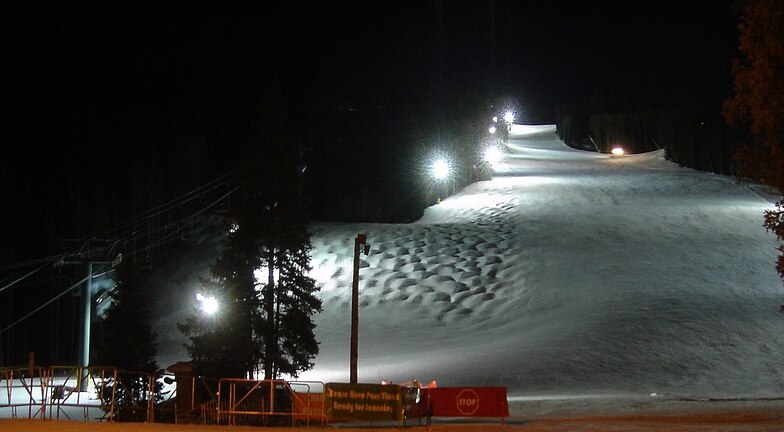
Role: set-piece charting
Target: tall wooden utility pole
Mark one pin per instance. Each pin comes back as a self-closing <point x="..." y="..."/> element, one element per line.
<point x="360" y="245"/>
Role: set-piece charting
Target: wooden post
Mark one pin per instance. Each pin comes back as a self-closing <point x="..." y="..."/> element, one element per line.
<point x="359" y="244"/>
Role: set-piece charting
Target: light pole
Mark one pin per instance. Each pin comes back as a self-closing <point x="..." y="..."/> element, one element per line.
<point x="360" y="245"/>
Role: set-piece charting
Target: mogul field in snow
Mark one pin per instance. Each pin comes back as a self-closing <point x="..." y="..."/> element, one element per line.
<point x="570" y="273"/>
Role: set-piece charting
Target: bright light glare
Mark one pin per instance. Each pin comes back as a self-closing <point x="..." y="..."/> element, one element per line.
<point x="492" y="155"/>
<point x="491" y="129"/>
<point x="440" y="169"/>
<point x="261" y="275"/>
<point x="495" y="119"/>
<point x="509" y="117"/>
<point x="209" y="305"/>
<point x="617" y="151"/>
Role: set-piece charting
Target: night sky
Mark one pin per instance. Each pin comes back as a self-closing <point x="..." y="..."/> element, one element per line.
<point x="91" y="92"/>
<point x="85" y="69"/>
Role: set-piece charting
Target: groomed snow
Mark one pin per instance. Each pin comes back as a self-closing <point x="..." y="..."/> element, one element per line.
<point x="569" y="275"/>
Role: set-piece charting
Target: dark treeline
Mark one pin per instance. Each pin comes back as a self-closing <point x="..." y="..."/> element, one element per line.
<point x="117" y="110"/>
<point x="692" y="136"/>
<point x="369" y="162"/>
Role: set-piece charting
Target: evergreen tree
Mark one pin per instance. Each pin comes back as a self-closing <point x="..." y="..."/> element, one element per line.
<point x="261" y="271"/>
<point x="222" y="344"/>
<point x="758" y="102"/>
<point x="128" y="342"/>
<point x="261" y="277"/>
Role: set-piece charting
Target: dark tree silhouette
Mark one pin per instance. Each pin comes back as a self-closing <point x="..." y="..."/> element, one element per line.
<point x="260" y="279"/>
<point x="261" y="271"/>
<point x="758" y="102"/>
<point x="128" y="342"/>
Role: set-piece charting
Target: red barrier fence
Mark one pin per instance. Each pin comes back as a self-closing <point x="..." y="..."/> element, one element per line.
<point x="308" y="407"/>
<point x="468" y="402"/>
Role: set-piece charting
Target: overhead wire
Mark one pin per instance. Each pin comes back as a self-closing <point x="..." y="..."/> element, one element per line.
<point x="157" y="211"/>
<point x="23" y="277"/>
<point x="170" y="237"/>
<point x="32" y="262"/>
<point x="52" y="300"/>
<point x="169" y="205"/>
<point x="181" y="201"/>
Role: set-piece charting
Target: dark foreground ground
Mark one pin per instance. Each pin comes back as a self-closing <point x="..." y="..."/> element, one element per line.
<point x="527" y="416"/>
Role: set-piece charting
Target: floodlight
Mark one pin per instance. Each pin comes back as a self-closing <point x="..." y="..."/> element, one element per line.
<point x="617" y="151"/>
<point x="209" y="304"/>
<point x="440" y="169"/>
<point x="492" y="155"/>
<point x="509" y="117"/>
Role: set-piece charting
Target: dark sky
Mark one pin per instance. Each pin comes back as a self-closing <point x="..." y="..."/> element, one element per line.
<point x="87" y="85"/>
<point x="98" y="57"/>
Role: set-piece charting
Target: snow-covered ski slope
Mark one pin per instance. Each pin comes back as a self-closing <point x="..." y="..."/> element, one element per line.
<point x="570" y="272"/>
